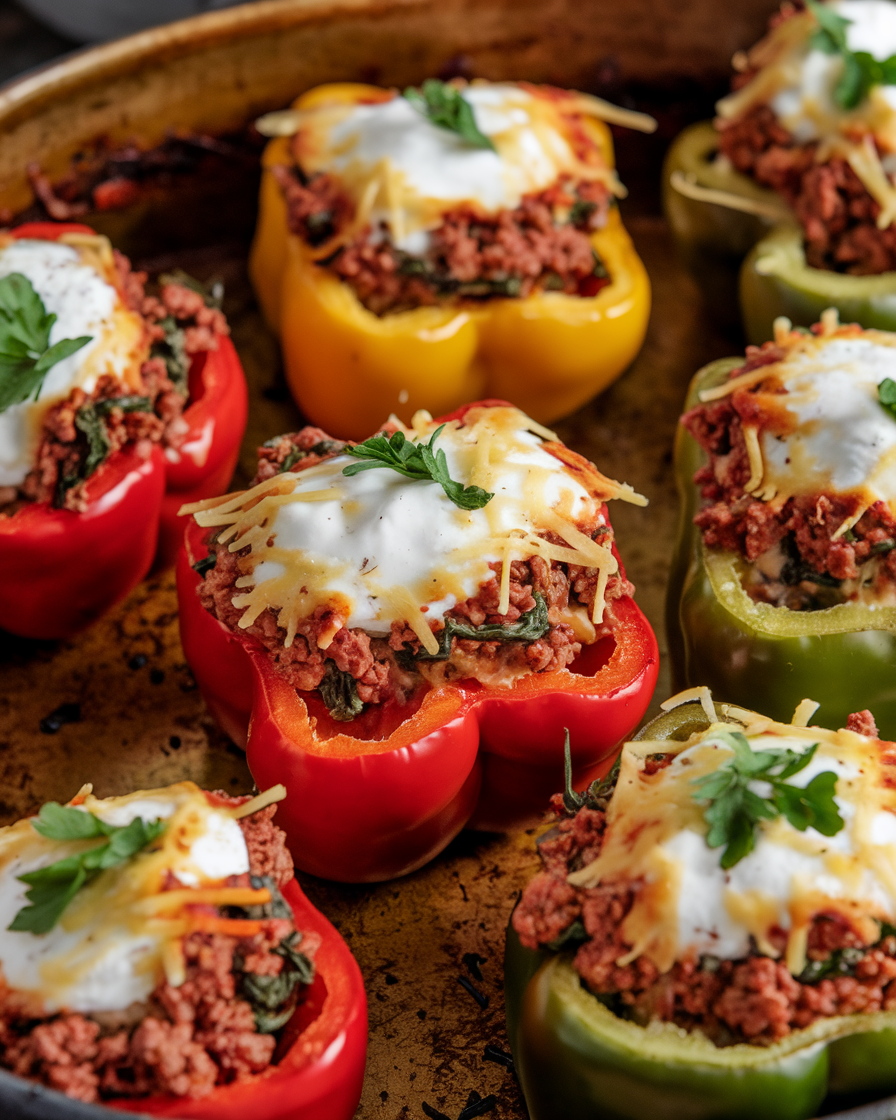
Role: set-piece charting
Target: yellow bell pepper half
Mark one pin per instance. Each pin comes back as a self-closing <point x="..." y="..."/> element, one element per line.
<point x="348" y="368"/>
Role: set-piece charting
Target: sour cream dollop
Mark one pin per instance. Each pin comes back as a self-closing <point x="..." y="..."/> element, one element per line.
<point x="85" y="304"/>
<point x="377" y="534"/>
<point x="809" y="91"/>
<point x="104" y="953"/>
<point x="830" y="432"/>
<point x="424" y="169"/>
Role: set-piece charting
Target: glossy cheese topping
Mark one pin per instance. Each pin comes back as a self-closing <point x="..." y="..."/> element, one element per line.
<point x="114" y="943"/>
<point x="686" y="903"/>
<point x="798" y="81"/>
<point x="377" y="547"/>
<point x="405" y="171"/>
<point x="827" y="432"/>
<point x="75" y="281"/>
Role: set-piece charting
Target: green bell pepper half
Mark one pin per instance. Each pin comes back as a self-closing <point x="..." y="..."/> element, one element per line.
<point x="576" y="1060"/>
<point x="757" y="655"/>
<point x="775" y="280"/>
<point x="712" y="240"/>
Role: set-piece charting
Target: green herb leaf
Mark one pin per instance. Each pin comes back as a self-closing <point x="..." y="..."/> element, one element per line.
<point x="340" y="693"/>
<point x="52" y="888"/>
<point x="861" y="70"/>
<point x="446" y="107"/>
<point x="25" y="351"/>
<point x="886" y="394"/>
<point x="63" y="822"/>
<point x="172" y="349"/>
<point x="206" y="564"/>
<point x="831" y="34"/>
<point x="529" y="627"/>
<point x="733" y="810"/>
<point x="597" y="795"/>
<point x="419" y="461"/>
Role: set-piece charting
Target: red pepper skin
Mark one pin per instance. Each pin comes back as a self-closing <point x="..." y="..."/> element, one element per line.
<point x="368" y="809"/>
<point x="323" y="1049"/>
<point x="203" y="465"/>
<point x="60" y="570"/>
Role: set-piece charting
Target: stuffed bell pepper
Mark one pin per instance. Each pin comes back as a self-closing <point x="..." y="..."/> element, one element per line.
<point x="784" y="580"/>
<point x="713" y="933"/>
<point x="158" y="957"/>
<point x="411" y="622"/>
<point x="424" y="249"/>
<point x="800" y="159"/>
<point x="115" y="406"/>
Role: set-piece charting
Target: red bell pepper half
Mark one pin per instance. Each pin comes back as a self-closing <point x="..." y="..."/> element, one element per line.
<point x="387" y="798"/>
<point x="320" y="1060"/>
<point x="60" y="570"/>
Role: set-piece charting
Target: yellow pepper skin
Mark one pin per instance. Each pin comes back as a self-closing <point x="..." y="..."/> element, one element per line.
<point x="548" y="353"/>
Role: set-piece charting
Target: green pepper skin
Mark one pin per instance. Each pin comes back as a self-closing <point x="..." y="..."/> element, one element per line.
<point x="761" y="656"/>
<point x="711" y="240"/>
<point x="577" y="1061"/>
<point x="775" y="280"/>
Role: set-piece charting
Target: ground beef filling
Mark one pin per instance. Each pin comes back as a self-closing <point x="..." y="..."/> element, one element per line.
<point x="379" y="670"/>
<point x="81" y="432"/>
<point x="753" y="1000"/>
<point x="838" y="215"/>
<point x="186" y="1039"/>
<point x="794" y="562"/>
<point x="543" y="244"/>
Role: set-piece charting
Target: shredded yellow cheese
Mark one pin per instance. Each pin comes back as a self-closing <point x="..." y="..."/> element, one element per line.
<point x="805" y="710"/>
<point x="754" y="454"/>
<point x="686" y="184"/>
<point x="687" y="696"/>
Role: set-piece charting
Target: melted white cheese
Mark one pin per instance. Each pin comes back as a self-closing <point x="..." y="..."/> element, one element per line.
<point x="427" y="168"/>
<point x="842" y="438"/>
<point x="84" y="304"/>
<point x="381" y="531"/>
<point x="103" y="955"/>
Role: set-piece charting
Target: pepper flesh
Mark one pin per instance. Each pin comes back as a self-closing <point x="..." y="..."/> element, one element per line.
<point x="775" y="280"/>
<point x="60" y="570"/>
<point x="712" y="240"/>
<point x="757" y="263"/>
<point x="385" y="799"/>
<point x="576" y="1060"/>
<point x="549" y="353"/>
<point x="754" y="653"/>
<point x="320" y="1067"/>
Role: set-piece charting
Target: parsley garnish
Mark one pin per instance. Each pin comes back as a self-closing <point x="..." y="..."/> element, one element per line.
<point x="26" y="355"/>
<point x="886" y="394"/>
<point x="52" y="888"/>
<point x="734" y="810"/>
<point x="447" y="108"/>
<point x="861" y="70"/>
<point x="419" y="461"/>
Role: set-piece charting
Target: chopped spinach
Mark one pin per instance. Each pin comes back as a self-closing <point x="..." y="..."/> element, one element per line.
<point x="842" y="962"/>
<point x="340" y="693"/>
<point x="172" y="349"/>
<point x="530" y="626"/>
